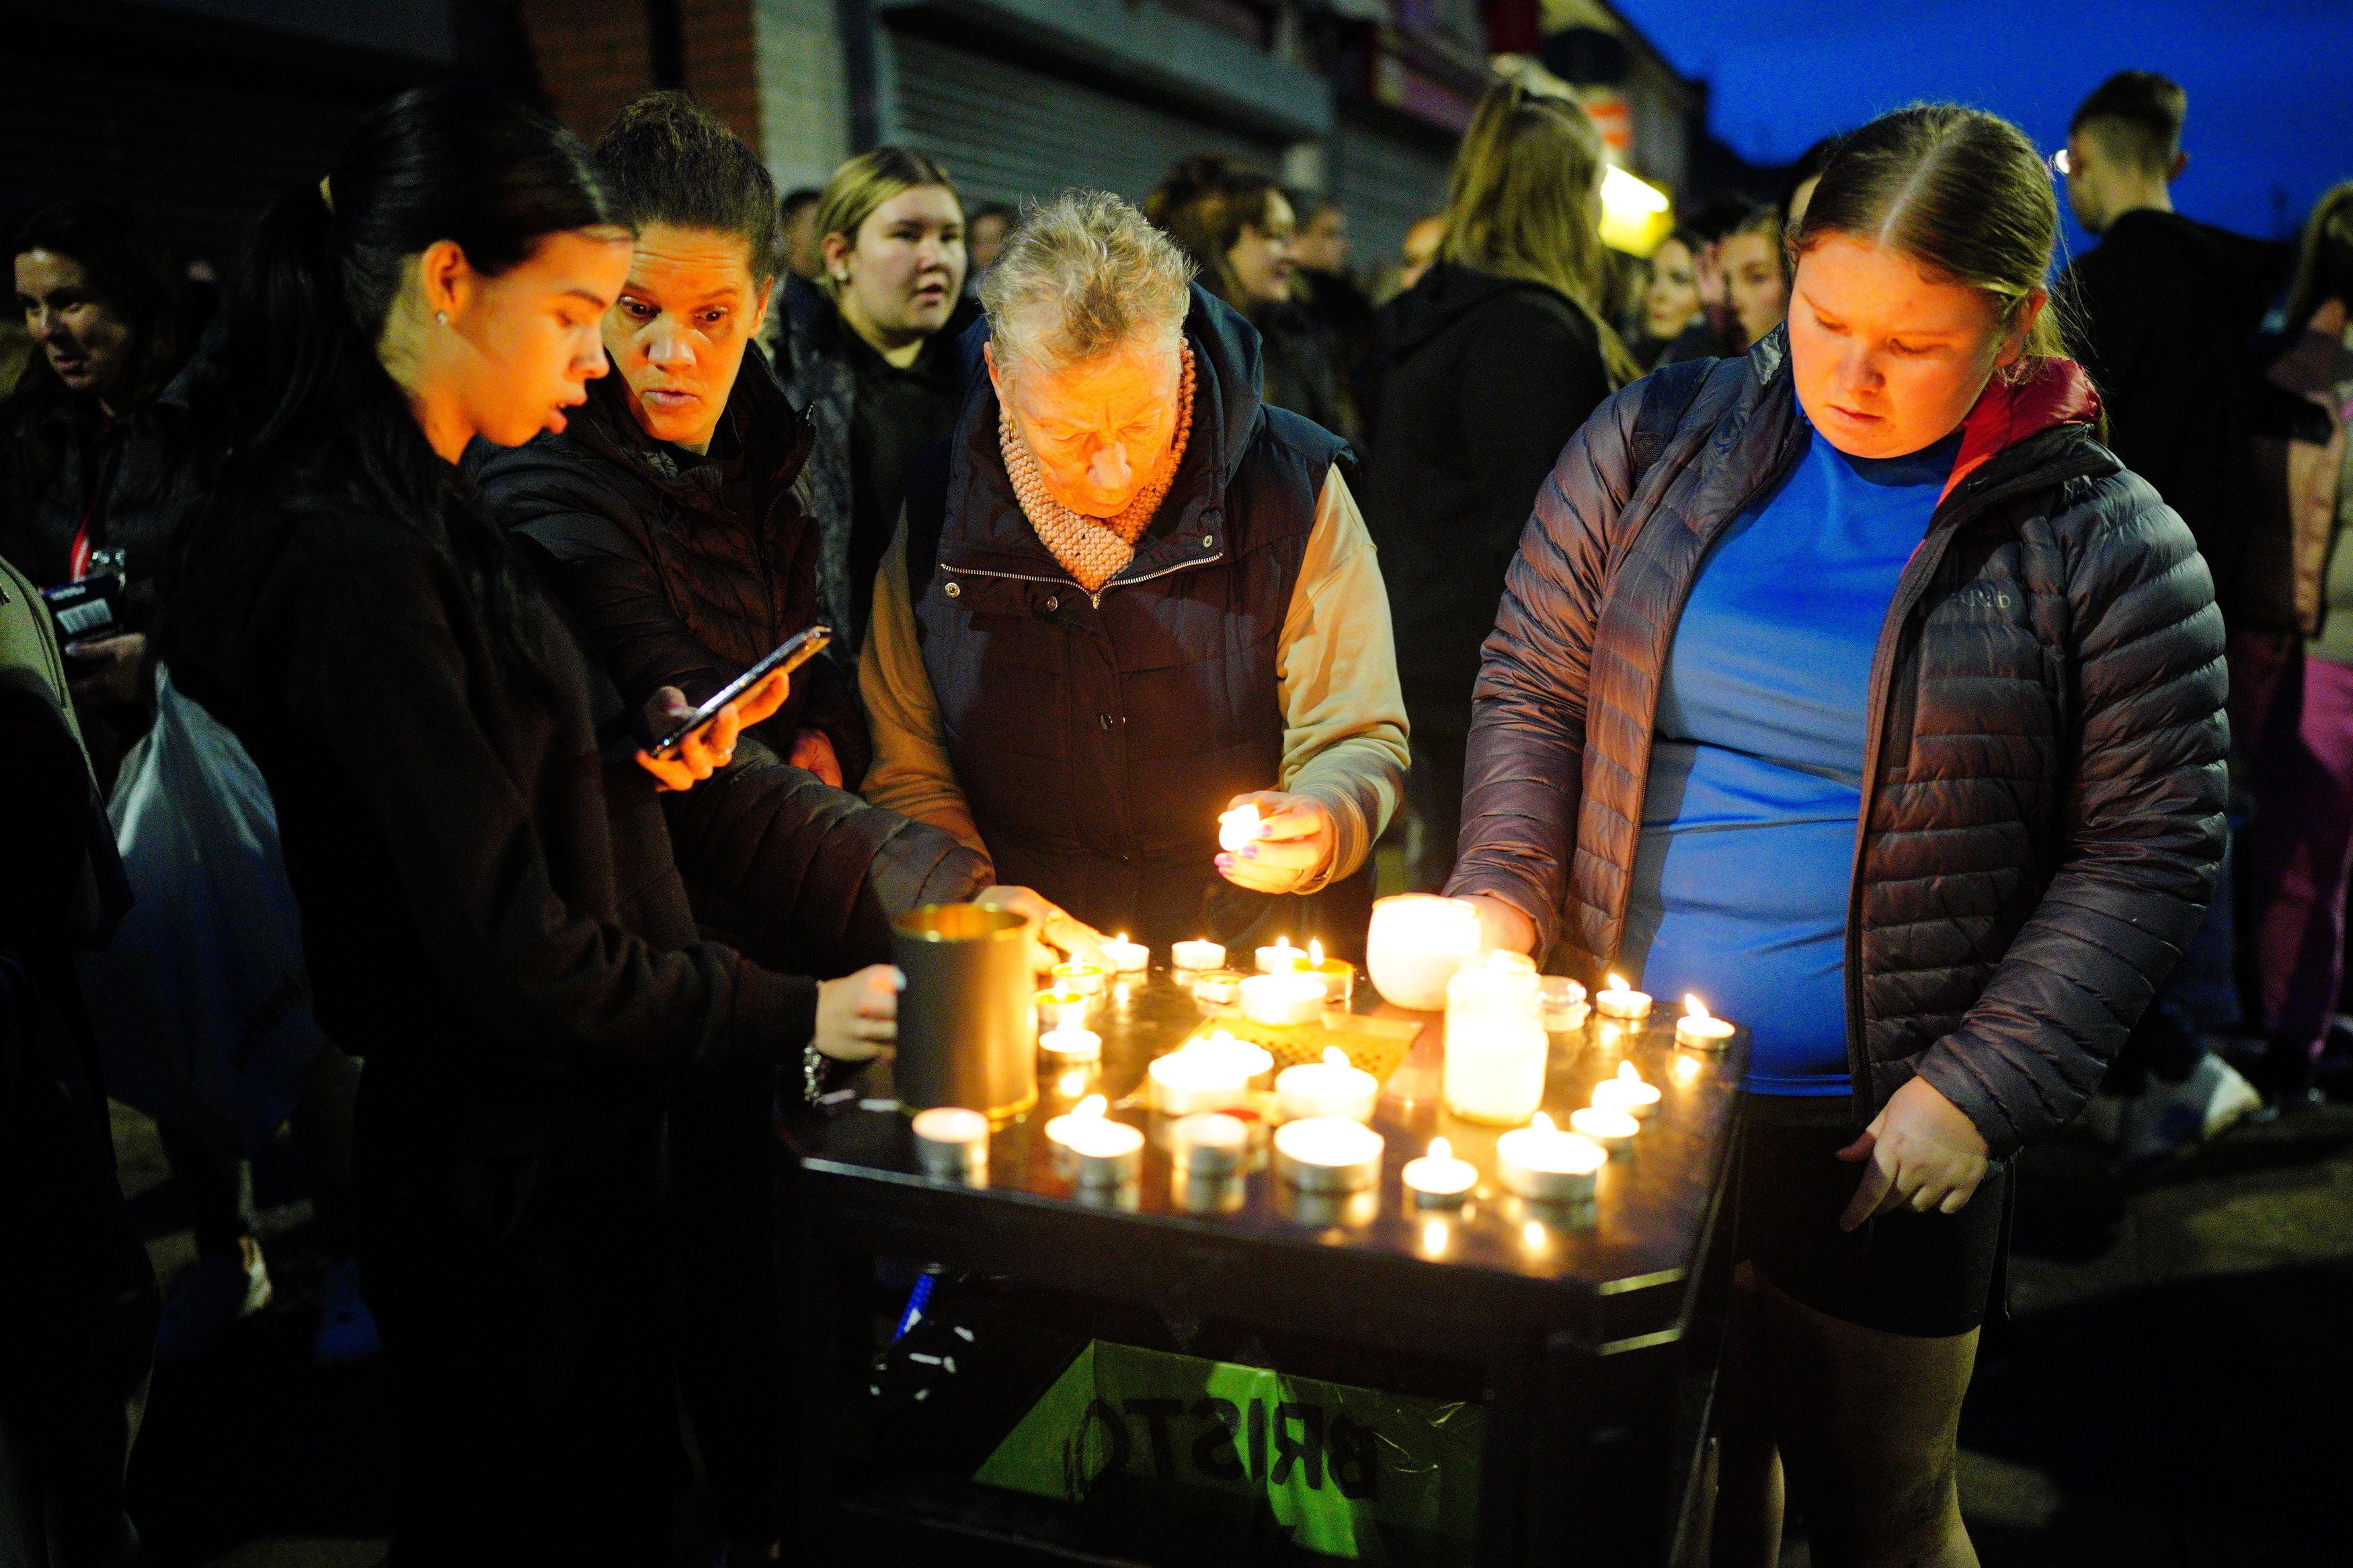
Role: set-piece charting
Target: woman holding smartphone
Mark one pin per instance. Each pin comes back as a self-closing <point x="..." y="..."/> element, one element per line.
<point x="494" y="917"/>
<point x="1853" y="685"/>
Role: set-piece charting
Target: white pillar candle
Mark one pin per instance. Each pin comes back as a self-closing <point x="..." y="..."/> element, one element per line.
<point x="1291" y="997"/>
<point x="1062" y="1128"/>
<point x="1333" y="1087"/>
<point x="1339" y="977"/>
<point x="1126" y="957"/>
<point x="1541" y="1163"/>
<point x="1327" y="1154"/>
<point x="1623" y="1001"/>
<point x="1086" y="977"/>
<point x="1196" y="957"/>
<point x="1628" y="1092"/>
<point x="1106" y="1153"/>
<point x="1699" y="1029"/>
<point x="1281" y="958"/>
<point x="952" y="1144"/>
<point x="1240" y="827"/>
<point x="1613" y="1129"/>
<point x="1415" y="944"/>
<point x="1438" y="1180"/>
<point x="1069" y="1047"/>
<point x="1209" y="1147"/>
<point x="1191" y="1079"/>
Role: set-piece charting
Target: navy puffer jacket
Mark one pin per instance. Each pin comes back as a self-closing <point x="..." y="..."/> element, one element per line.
<point x="2044" y="775"/>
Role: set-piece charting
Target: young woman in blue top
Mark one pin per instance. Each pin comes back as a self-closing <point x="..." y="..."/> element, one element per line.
<point x="1853" y="686"/>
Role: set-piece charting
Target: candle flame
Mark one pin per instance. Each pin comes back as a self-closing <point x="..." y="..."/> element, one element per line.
<point x="1626" y="1073"/>
<point x="1316" y="953"/>
<point x="1618" y="983"/>
<point x="1440" y="1149"/>
<point x="1694" y="1007"/>
<point x="1334" y="1056"/>
<point x="1121" y="939"/>
<point x="1542" y="1123"/>
<point x="1092" y="1105"/>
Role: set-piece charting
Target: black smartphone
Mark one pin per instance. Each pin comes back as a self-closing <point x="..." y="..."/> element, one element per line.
<point x="788" y="656"/>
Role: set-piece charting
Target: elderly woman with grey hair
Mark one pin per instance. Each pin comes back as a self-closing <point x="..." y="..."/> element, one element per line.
<point x="1126" y="597"/>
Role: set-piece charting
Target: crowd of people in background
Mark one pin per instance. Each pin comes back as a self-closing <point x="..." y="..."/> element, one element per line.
<point x="498" y="453"/>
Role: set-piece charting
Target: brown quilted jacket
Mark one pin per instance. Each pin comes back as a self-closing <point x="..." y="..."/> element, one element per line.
<point x="2044" y="777"/>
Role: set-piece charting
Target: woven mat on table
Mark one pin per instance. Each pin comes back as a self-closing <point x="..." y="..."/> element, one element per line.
<point x="1377" y="1046"/>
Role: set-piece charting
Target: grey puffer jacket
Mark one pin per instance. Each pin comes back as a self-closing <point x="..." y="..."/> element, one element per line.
<point x="2044" y="774"/>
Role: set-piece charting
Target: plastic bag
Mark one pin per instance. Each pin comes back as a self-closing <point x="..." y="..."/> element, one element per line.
<point x="202" y="1002"/>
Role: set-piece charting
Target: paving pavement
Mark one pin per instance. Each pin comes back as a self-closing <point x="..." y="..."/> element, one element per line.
<point x="2176" y="1389"/>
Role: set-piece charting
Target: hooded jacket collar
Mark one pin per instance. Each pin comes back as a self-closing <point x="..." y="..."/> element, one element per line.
<point x="2053" y="392"/>
<point x="773" y="436"/>
<point x="990" y="532"/>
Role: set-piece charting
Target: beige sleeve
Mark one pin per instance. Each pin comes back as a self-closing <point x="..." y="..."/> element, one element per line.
<point x="1345" y="732"/>
<point x="911" y="774"/>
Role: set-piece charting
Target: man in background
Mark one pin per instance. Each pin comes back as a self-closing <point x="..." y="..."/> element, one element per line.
<point x="803" y="247"/>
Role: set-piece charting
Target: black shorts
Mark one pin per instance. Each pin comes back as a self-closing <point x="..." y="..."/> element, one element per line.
<point x="1928" y="1275"/>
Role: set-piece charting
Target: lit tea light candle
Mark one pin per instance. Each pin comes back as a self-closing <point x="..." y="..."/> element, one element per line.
<point x="1339" y="977"/>
<point x="1062" y="1128"/>
<point x="1192" y="1079"/>
<point x="1327" y="1154"/>
<point x="1607" y="1125"/>
<point x="1288" y="998"/>
<point x="1240" y="828"/>
<point x="1628" y="1092"/>
<point x="1218" y="988"/>
<point x="1106" y="1153"/>
<point x="1623" y="1001"/>
<point x="1209" y="1147"/>
<point x="1563" y="1003"/>
<point x="1069" y="1048"/>
<point x="1196" y="957"/>
<point x="1541" y="1163"/>
<point x="1126" y="957"/>
<point x="1415" y="944"/>
<point x="952" y="1144"/>
<point x="1086" y="977"/>
<point x="1280" y="959"/>
<point x="1248" y="1061"/>
<point x="1333" y="1087"/>
<point x="1062" y="1007"/>
<point x="1438" y="1180"/>
<point x="1699" y="1029"/>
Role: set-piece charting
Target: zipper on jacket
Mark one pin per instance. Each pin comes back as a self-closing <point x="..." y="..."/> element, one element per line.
<point x="1094" y="595"/>
<point x="1928" y="560"/>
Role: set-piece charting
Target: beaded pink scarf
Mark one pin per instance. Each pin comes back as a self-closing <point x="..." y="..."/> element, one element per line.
<point x="1094" y="550"/>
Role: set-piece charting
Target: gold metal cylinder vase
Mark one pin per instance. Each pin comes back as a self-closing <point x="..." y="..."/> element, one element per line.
<point x="967" y="1023"/>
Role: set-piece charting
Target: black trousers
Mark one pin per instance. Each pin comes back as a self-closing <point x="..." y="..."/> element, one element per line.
<point x="512" y="1236"/>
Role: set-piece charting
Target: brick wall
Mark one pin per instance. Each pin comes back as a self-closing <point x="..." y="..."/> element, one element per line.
<point x="593" y="55"/>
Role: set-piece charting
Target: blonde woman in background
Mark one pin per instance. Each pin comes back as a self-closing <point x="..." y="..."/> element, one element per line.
<point x="868" y="354"/>
<point x="1484" y="370"/>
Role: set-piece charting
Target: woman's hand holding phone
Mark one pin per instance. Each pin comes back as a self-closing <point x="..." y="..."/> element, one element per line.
<point x="711" y="746"/>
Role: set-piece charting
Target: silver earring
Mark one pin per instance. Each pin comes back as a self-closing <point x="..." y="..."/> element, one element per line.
<point x="442" y="317"/>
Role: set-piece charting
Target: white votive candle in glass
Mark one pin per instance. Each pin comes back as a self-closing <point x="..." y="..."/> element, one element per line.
<point x="1196" y="957"/>
<point x="1289" y="998"/>
<point x="1621" y="999"/>
<point x="1281" y="958"/>
<point x="1496" y="1042"/>
<point x="1327" y="1154"/>
<point x="1193" y="1079"/>
<point x="1415" y="944"/>
<point x="1699" y="1028"/>
<point x="952" y="1144"/>
<point x="1126" y="957"/>
<point x="1238" y="828"/>
<point x="1613" y="1129"/>
<point x="1106" y="1153"/>
<point x="1086" y="977"/>
<point x="1542" y="1163"/>
<point x="1333" y="1087"/>
<point x="1563" y="1001"/>
<point x="1628" y="1092"/>
<point x="1062" y="1128"/>
<point x="1438" y="1180"/>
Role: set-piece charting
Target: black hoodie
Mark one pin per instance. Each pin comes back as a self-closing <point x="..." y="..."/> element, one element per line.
<point x="2166" y="306"/>
<point x="1476" y="383"/>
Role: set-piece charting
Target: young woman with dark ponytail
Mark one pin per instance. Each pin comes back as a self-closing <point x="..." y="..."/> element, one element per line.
<point x="1854" y="685"/>
<point x="493" y="916"/>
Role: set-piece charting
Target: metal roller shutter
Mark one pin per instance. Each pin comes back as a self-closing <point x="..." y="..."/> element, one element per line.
<point x="1386" y="181"/>
<point x="1006" y="131"/>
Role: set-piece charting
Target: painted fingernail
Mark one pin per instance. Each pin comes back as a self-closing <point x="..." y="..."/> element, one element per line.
<point x="1250" y="851"/>
<point x="1225" y="862"/>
